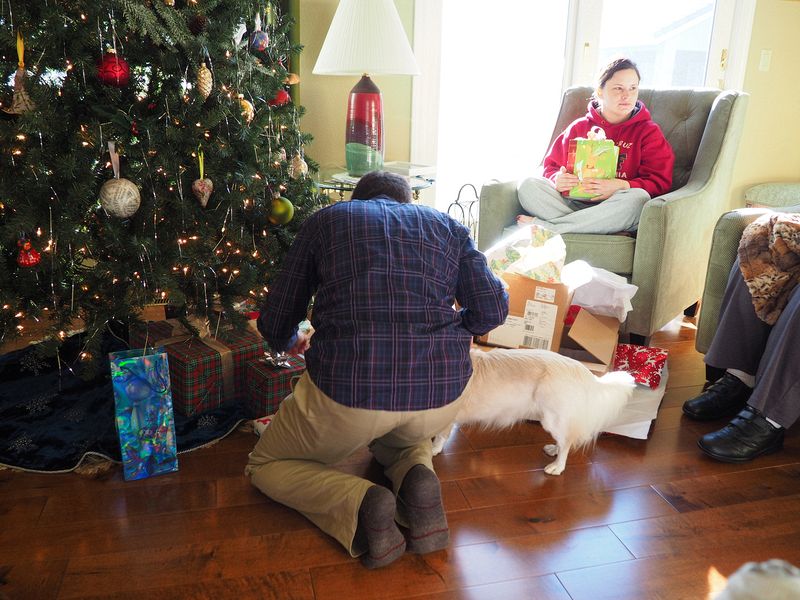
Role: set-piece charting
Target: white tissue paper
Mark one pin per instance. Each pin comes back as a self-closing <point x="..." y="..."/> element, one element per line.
<point x="603" y="293"/>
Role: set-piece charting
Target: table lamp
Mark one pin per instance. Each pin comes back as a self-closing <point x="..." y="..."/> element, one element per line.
<point x="365" y="37"/>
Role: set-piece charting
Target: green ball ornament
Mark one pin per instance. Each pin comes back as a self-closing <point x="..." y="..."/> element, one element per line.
<point x="282" y="211"/>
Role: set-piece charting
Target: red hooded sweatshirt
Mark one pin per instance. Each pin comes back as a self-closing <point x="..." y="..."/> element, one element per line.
<point x="645" y="156"/>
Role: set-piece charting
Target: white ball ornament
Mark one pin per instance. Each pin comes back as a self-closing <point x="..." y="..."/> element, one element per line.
<point x="120" y="197"/>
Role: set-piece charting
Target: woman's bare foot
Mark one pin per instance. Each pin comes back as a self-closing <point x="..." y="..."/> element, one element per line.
<point x="524" y="220"/>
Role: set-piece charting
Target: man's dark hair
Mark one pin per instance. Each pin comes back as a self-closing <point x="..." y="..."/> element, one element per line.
<point x="382" y="183"/>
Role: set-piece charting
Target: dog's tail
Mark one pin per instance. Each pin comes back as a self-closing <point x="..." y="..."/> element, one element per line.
<point x="619" y="378"/>
<point x="614" y="392"/>
<point x="617" y="388"/>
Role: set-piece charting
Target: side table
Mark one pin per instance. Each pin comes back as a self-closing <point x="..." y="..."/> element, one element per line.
<point x="340" y="183"/>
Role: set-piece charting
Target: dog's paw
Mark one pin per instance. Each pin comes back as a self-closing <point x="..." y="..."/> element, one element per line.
<point x="554" y="468"/>
<point x="551" y="450"/>
<point x="437" y="445"/>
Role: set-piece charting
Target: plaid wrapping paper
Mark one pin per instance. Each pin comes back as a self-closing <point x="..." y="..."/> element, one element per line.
<point x="267" y="386"/>
<point x="196" y="370"/>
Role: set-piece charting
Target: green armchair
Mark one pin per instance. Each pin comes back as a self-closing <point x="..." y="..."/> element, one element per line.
<point x="764" y="198"/>
<point x="667" y="258"/>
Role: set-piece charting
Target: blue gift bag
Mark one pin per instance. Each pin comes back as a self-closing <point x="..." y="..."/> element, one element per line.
<point x="143" y="408"/>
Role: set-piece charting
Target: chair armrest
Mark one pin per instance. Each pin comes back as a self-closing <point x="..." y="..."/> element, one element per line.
<point x="773" y="195"/>
<point x="674" y="234"/>
<point x="724" y="248"/>
<point x="497" y="209"/>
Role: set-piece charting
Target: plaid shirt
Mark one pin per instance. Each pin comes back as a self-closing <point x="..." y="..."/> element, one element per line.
<point x="385" y="276"/>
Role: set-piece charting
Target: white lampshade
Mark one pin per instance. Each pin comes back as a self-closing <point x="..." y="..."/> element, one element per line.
<point x="366" y="36"/>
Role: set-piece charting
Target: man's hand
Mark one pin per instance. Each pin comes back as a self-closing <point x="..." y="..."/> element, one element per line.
<point x="301" y="344"/>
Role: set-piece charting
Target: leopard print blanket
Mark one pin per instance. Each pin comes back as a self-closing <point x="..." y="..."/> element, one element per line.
<point x="769" y="258"/>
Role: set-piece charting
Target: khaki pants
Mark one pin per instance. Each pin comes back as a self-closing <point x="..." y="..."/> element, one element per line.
<point x="292" y="460"/>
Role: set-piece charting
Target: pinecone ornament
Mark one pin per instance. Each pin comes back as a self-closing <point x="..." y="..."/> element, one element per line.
<point x="205" y="81"/>
<point x="198" y="24"/>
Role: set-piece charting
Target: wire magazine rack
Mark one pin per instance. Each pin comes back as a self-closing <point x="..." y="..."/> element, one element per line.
<point x="465" y="211"/>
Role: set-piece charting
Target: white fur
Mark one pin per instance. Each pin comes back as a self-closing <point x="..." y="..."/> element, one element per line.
<point x="771" y="580"/>
<point x="571" y="403"/>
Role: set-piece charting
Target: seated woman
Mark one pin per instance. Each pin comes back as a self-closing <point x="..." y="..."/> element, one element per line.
<point x="644" y="168"/>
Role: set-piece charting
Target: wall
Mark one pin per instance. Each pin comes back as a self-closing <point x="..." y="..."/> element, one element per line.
<point x="325" y="96"/>
<point x="770" y="146"/>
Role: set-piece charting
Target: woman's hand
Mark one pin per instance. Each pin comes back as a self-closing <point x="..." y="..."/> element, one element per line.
<point x="603" y="188"/>
<point x="565" y="181"/>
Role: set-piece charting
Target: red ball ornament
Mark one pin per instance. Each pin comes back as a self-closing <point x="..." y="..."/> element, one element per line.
<point x="113" y="70"/>
<point x="28" y="256"/>
<point x="281" y="98"/>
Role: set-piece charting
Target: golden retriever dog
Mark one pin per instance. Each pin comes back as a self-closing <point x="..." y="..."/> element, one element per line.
<point x="572" y="404"/>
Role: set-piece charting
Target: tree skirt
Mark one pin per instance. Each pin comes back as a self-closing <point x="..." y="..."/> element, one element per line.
<point x="51" y="422"/>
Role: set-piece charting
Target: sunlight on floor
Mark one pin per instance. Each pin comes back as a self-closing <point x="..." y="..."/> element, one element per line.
<point x="716" y="583"/>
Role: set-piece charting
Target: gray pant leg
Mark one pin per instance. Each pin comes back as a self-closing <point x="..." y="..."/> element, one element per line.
<point x="541" y="200"/>
<point x="745" y="342"/>
<point x="620" y="212"/>
<point x="777" y="391"/>
<point x="741" y="336"/>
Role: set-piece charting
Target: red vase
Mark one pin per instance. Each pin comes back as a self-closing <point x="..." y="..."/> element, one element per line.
<point x="364" y="130"/>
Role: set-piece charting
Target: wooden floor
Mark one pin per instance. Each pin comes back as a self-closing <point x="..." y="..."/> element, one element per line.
<point x="630" y="520"/>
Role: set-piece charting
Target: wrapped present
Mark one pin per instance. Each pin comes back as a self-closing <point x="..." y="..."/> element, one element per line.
<point x="643" y="362"/>
<point x="269" y="381"/>
<point x="532" y="251"/>
<point x="143" y="412"/>
<point x="593" y="157"/>
<point x="259" y="425"/>
<point x="205" y="370"/>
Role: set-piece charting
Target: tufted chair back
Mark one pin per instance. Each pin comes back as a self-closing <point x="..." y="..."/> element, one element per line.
<point x="683" y="116"/>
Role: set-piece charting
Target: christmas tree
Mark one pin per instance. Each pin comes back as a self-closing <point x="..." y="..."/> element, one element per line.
<point x="149" y="153"/>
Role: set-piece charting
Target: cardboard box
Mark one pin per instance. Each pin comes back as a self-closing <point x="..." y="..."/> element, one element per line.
<point x="536" y="311"/>
<point x="536" y="320"/>
<point x="592" y="340"/>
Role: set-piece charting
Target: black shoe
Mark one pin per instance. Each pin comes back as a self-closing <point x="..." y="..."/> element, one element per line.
<point x="723" y="398"/>
<point x="747" y="436"/>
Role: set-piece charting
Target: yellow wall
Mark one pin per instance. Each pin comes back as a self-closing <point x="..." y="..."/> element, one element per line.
<point x="325" y="96"/>
<point x="770" y="146"/>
